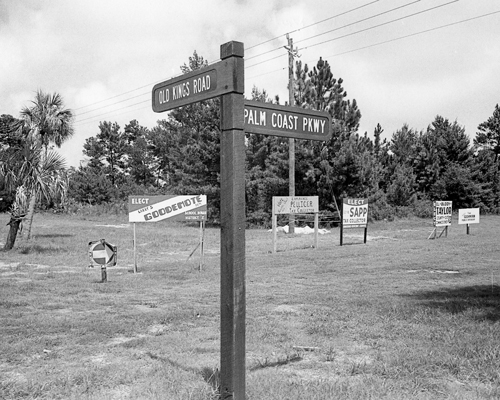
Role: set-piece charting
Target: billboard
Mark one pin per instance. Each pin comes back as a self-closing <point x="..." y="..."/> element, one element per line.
<point x="442" y="213"/>
<point x="354" y="213"/>
<point x="157" y="208"/>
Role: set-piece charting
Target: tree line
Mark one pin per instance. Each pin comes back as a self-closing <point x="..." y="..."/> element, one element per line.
<point x="400" y="176"/>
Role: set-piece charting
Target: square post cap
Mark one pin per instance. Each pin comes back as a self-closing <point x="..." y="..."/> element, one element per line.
<point x="231" y="49"/>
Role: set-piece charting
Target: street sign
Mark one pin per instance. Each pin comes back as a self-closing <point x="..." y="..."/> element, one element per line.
<point x="157" y="208"/>
<point x="292" y="122"/>
<point x="206" y="83"/>
<point x="103" y="253"/>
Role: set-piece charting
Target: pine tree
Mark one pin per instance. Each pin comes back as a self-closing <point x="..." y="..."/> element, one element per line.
<point x="488" y="136"/>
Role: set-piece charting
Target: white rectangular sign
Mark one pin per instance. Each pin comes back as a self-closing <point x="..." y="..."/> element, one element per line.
<point x="468" y="216"/>
<point x="354" y="213"/>
<point x="295" y="204"/>
<point x="442" y="213"/>
<point x="157" y="208"/>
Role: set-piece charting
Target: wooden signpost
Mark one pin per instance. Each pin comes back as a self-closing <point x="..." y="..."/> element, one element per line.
<point x="226" y="79"/>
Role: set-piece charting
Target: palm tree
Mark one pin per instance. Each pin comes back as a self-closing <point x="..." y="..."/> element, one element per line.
<point x="47" y="119"/>
<point x="45" y="122"/>
<point x="35" y="174"/>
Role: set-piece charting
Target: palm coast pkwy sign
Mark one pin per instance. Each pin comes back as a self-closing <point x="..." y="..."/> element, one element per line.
<point x="226" y="79"/>
<point x="291" y="122"/>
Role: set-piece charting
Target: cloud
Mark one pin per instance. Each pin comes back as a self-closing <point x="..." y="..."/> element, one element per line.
<point x="91" y="50"/>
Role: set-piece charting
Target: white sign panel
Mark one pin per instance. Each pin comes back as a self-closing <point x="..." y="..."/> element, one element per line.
<point x="354" y="213"/>
<point x="157" y="208"/>
<point x="442" y="213"/>
<point x="468" y="216"/>
<point x="295" y="204"/>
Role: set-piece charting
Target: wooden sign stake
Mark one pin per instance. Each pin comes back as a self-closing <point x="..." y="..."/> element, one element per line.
<point x="202" y="240"/>
<point x="232" y="158"/>
<point x="135" y="252"/>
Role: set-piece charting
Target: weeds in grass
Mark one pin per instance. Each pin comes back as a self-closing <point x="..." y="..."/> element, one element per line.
<point x="276" y="361"/>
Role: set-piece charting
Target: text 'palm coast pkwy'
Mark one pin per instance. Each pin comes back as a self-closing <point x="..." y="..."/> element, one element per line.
<point x="284" y="121"/>
<point x="295" y="122"/>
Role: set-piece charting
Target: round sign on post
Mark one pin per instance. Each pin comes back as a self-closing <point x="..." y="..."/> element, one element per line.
<point x="104" y="254"/>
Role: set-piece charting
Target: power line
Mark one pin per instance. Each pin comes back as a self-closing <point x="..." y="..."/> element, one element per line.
<point x="112" y="104"/>
<point x="247" y="48"/>
<point x="282" y="55"/>
<point x="379" y="25"/>
<point x="361" y="20"/>
<point x="315" y="23"/>
<point x="398" y="38"/>
<point x="89" y="121"/>
<point x="360" y="31"/>
<point x="258" y="55"/>
<point x="118" y="95"/>
<point x="415" y="34"/>
<point x="109" y="112"/>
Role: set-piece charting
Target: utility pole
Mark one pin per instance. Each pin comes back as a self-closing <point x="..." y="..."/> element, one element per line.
<point x="291" y="141"/>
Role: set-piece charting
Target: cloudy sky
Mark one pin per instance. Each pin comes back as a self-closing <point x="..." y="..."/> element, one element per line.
<point x="404" y="61"/>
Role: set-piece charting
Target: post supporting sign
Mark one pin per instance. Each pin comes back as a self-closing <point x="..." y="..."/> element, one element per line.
<point x="354" y="215"/>
<point x="226" y="79"/>
<point x="295" y="205"/>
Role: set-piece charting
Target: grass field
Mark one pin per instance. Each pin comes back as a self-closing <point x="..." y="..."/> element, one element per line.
<point x="400" y="317"/>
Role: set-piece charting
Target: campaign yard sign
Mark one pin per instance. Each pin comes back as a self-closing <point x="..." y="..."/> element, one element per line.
<point x="442" y="213"/>
<point x="354" y="213"/>
<point x="468" y="216"/>
<point x="295" y="204"/>
<point x="157" y="208"/>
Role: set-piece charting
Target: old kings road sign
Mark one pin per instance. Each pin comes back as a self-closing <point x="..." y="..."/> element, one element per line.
<point x="292" y="122"/>
<point x="206" y="83"/>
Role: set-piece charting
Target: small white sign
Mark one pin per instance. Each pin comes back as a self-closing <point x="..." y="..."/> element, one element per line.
<point x="295" y="205"/>
<point x="468" y="216"/>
